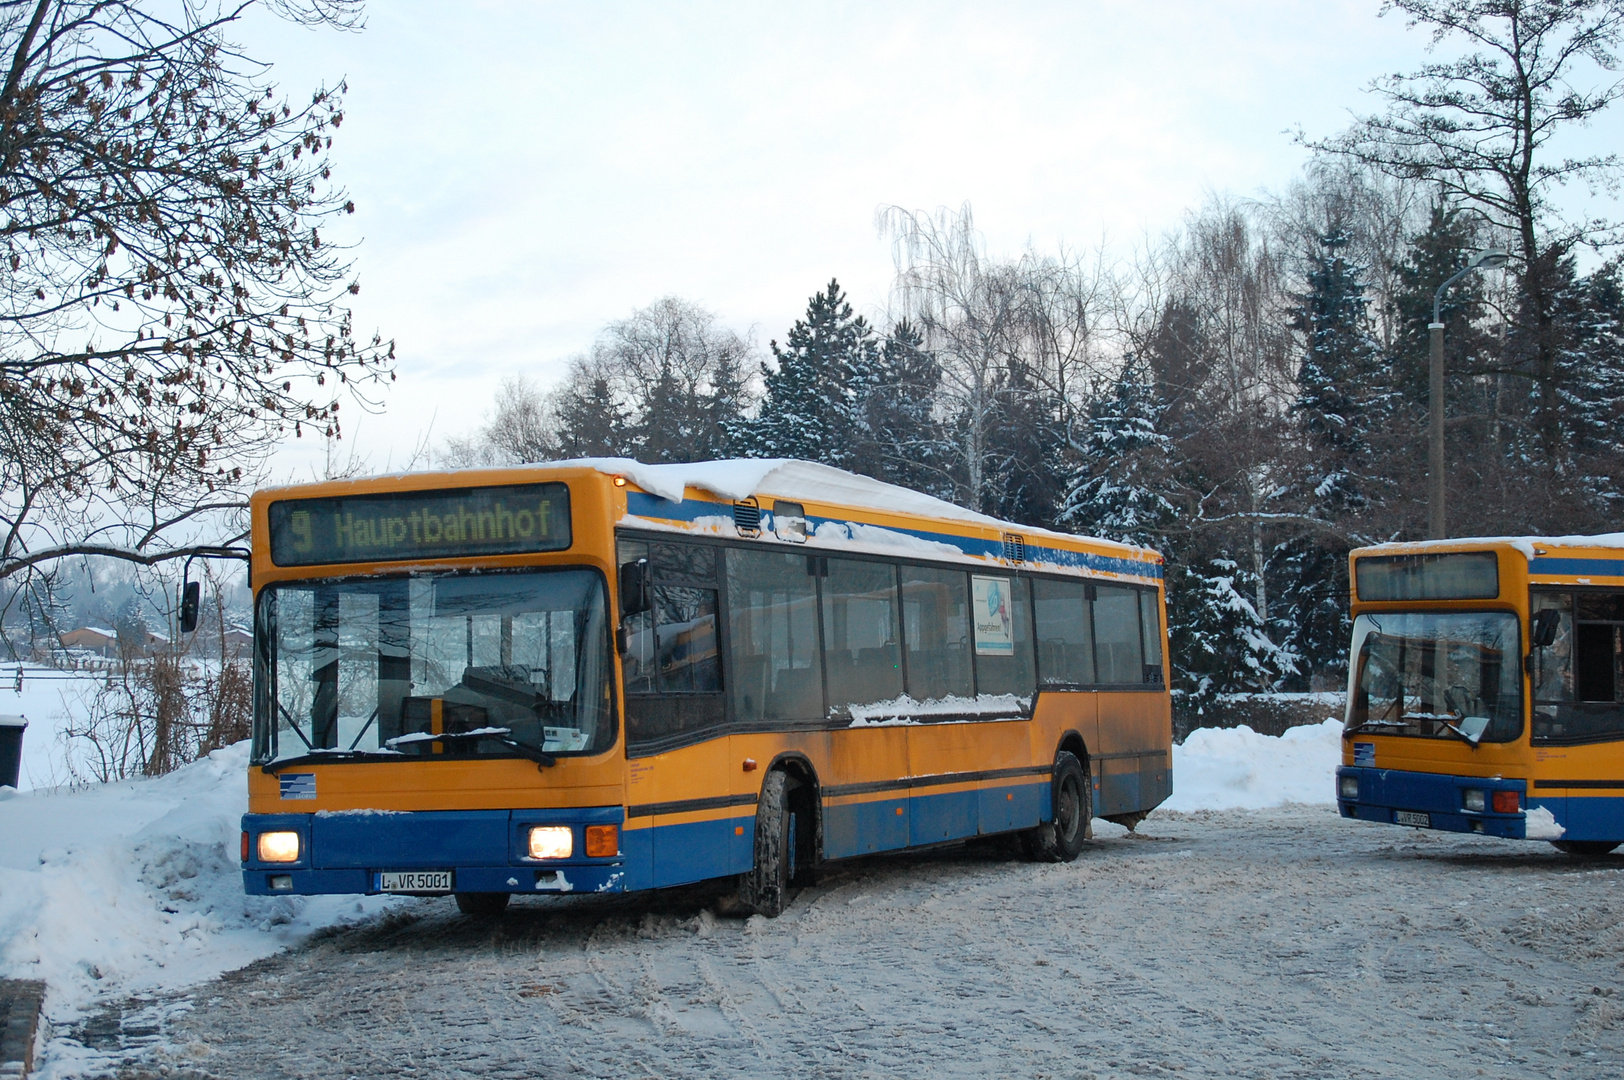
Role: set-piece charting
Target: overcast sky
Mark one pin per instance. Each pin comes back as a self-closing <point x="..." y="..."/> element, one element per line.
<point x="525" y="172"/>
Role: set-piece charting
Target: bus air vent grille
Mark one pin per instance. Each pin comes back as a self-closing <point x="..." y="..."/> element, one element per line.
<point x="747" y="518"/>
<point x="1014" y="547"/>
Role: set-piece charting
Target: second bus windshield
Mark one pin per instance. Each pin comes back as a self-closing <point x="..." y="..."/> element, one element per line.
<point x="1424" y="673"/>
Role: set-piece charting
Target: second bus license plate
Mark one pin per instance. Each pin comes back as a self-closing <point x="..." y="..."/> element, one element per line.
<point x="1410" y="817"/>
<point x="414" y="881"/>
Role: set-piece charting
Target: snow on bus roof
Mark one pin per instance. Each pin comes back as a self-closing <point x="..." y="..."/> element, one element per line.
<point x="739" y="478"/>
<point x="1524" y="544"/>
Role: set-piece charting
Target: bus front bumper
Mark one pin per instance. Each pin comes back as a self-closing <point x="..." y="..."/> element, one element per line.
<point x="1431" y="801"/>
<point x="428" y="852"/>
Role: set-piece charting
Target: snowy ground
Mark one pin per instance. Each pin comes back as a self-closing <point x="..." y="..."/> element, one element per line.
<point x="1248" y="934"/>
<point x="49" y="700"/>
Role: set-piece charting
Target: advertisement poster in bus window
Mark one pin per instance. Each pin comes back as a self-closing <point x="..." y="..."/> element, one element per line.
<point x="994" y="622"/>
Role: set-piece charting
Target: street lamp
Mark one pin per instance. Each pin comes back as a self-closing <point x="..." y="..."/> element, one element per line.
<point x="1484" y="260"/>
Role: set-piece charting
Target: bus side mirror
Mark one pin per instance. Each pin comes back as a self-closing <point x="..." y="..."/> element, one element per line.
<point x="635" y="594"/>
<point x="1542" y="628"/>
<point x="190" y="598"/>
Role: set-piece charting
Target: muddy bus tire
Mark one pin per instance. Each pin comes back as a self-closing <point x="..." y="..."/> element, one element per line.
<point x="765" y="889"/>
<point x="482" y="905"/>
<point x="1586" y="849"/>
<point x="1061" y="838"/>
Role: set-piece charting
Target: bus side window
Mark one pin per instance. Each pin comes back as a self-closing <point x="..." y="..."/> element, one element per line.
<point x="936" y="629"/>
<point x="1065" y="638"/>
<point x="862" y="648"/>
<point x="1118" y="648"/>
<point x="1150" y="627"/>
<point x="775" y="670"/>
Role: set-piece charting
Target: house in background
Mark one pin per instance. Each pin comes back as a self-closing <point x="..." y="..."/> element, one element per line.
<point x="97" y="640"/>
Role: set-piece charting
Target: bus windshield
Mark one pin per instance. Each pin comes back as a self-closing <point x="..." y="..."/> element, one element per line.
<point x="1437" y="675"/>
<point x="433" y="666"/>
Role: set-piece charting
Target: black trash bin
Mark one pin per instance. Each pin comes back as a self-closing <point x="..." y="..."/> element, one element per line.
<point x="11" y="749"/>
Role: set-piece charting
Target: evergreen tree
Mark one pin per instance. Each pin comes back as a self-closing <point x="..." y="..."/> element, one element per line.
<point x="1440" y="249"/>
<point x="591" y="423"/>
<point x="1118" y="490"/>
<point x="900" y="440"/>
<point x="675" y="425"/>
<point x="809" y="407"/>
<point x="1219" y="642"/>
<point x="1024" y="445"/>
<point x="724" y="420"/>
<point x="1342" y="396"/>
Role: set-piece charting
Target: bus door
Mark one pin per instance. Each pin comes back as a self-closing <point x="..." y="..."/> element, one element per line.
<point x="1578" y="712"/>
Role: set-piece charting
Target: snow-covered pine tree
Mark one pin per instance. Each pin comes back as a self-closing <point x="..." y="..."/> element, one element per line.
<point x="1342" y="392"/>
<point x="900" y="440"/>
<point x="1219" y="643"/>
<point x="809" y="407"/>
<point x="1119" y="487"/>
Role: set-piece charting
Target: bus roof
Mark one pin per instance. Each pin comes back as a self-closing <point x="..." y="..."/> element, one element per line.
<point x="735" y="480"/>
<point x="1531" y="546"/>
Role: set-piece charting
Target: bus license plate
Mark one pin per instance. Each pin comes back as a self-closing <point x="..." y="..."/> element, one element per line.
<point x="1410" y="817"/>
<point x="411" y="881"/>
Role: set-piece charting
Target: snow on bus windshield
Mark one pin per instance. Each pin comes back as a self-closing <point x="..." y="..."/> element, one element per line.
<point x="426" y="665"/>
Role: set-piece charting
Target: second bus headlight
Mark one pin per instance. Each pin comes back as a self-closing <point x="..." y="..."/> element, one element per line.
<point x="278" y="847"/>
<point x="552" y="842"/>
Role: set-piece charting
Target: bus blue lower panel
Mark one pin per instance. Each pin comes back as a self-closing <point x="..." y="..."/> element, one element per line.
<point x="863" y="828"/>
<point x="1587" y="817"/>
<point x="484" y="850"/>
<point x="1385" y="794"/>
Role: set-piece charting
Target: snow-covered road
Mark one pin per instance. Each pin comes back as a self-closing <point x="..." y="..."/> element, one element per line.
<point x="1277" y="942"/>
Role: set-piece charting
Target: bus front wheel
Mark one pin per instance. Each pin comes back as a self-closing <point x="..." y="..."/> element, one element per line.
<point x="1061" y="838"/>
<point x="765" y="889"/>
<point x="1589" y="848"/>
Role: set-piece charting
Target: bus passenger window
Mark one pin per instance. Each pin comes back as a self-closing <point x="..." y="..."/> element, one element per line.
<point x="862" y="655"/>
<point x="1579" y="677"/>
<point x="685" y="640"/>
<point x="1065" y="638"/>
<point x="936" y="628"/>
<point x="1003" y="666"/>
<point x="1150" y="626"/>
<point x="775" y="670"/>
<point x="1118" y="649"/>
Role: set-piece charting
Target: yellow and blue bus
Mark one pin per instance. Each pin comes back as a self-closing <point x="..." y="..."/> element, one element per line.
<point x="604" y="676"/>
<point x="1486" y="689"/>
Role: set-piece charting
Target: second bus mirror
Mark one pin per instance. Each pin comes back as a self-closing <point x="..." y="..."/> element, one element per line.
<point x="190" y="597"/>
<point x="1542" y="630"/>
<point x="635" y="593"/>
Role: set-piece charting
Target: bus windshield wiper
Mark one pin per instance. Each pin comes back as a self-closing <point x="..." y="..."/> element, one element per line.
<point x="318" y="756"/>
<point x="529" y="751"/>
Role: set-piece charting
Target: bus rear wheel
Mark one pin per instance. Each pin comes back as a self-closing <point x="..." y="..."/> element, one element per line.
<point x="1586" y="848"/>
<point x="765" y="889"/>
<point x="1061" y="839"/>
<point x="485" y="905"/>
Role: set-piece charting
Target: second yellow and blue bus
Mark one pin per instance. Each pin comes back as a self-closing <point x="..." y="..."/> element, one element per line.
<point x="606" y="676"/>
<point x="1486" y="689"/>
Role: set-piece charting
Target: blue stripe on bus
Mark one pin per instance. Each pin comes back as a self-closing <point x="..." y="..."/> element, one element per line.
<point x="640" y="504"/>
<point x="1577" y="567"/>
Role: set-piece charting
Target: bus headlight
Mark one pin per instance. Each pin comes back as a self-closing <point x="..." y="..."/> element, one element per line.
<point x="1472" y="798"/>
<point x="1348" y="787"/>
<point x="278" y="847"/>
<point x="552" y="842"/>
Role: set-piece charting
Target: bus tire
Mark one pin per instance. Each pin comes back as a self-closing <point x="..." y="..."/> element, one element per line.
<point x="765" y="889"/>
<point x="1061" y="838"/>
<point x="1586" y="848"/>
<point x="483" y="905"/>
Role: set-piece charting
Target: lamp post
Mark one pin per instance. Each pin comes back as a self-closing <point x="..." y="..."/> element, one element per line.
<point x="1484" y="260"/>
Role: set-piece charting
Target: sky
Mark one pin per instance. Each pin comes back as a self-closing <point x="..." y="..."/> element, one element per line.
<point x="526" y="172"/>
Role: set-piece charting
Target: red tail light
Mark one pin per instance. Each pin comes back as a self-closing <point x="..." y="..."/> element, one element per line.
<point x="1506" y="802"/>
<point x="245" y="847"/>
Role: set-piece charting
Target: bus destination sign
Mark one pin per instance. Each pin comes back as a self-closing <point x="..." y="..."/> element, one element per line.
<point x="512" y="520"/>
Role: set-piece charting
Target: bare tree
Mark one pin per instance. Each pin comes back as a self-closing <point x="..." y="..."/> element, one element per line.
<point x="169" y="308"/>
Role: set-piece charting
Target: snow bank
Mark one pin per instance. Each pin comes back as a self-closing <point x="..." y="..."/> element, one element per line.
<point x="50" y="701"/>
<point x="1238" y="769"/>
<point x="135" y="886"/>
